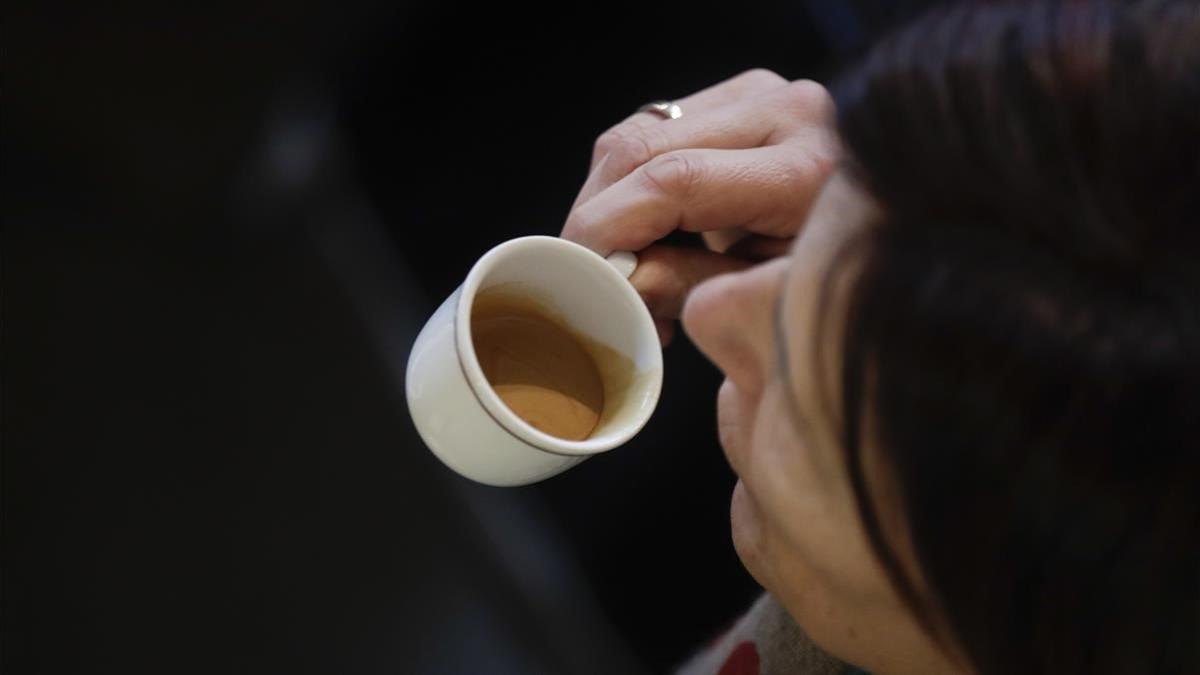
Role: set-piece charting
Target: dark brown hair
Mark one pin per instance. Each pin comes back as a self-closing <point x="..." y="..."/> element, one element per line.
<point x="1024" y="326"/>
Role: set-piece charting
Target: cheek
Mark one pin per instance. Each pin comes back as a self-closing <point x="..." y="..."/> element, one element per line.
<point x="770" y="467"/>
<point x="792" y="526"/>
<point x="735" y="426"/>
<point x="800" y="525"/>
<point x="755" y="442"/>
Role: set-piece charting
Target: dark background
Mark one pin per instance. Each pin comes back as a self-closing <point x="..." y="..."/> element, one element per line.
<point x="223" y="227"/>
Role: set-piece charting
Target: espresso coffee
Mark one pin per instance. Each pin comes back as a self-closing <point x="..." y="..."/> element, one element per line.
<point x="558" y="381"/>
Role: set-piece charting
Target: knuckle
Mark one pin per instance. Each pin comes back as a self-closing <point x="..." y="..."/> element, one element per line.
<point x="627" y="147"/>
<point x="605" y="143"/>
<point x="808" y="172"/>
<point x="673" y="172"/>
<point x="576" y="225"/>
<point x="758" y="79"/>
<point x="630" y="152"/>
<point x="808" y="96"/>
<point x="824" y="163"/>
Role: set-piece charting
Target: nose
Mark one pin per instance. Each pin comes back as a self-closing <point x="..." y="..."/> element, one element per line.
<point x="729" y="318"/>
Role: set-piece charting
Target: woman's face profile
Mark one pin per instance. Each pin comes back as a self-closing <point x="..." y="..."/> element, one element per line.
<point x="793" y="516"/>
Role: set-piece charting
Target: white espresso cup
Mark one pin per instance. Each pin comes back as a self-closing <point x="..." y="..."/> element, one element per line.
<point x="462" y="419"/>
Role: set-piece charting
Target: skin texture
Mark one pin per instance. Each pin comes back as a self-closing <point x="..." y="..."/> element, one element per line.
<point x="751" y="166"/>
<point x="793" y="516"/>
<point x="741" y="166"/>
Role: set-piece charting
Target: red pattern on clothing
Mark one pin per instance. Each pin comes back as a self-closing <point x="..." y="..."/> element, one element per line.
<point x="743" y="660"/>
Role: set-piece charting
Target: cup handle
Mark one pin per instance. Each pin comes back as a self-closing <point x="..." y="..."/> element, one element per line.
<point x="625" y="262"/>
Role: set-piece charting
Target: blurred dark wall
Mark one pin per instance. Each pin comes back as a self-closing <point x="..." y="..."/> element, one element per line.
<point x="223" y="226"/>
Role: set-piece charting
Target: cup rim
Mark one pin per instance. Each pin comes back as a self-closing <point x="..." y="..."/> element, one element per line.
<point x="488" y="398"/>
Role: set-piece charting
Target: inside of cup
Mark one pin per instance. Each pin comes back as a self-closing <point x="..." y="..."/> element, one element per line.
<point x="577" y="290"/>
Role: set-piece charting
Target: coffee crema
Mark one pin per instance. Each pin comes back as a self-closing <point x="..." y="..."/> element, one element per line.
<point x="557" y="380"/>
